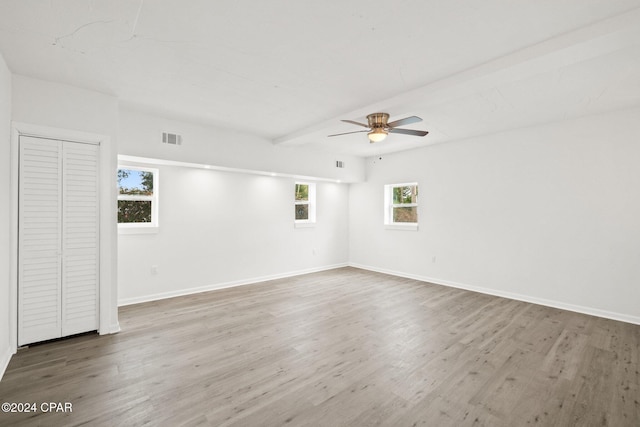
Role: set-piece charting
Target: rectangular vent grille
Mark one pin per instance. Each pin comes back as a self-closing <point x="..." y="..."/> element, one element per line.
<point x="339" y="164"/>
<point x="171" y="138"/>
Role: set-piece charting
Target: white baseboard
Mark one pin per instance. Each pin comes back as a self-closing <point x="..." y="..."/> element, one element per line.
<point x="4" y="360"/>
<point x="510" y="295"/>
<point x="215" y="286"/>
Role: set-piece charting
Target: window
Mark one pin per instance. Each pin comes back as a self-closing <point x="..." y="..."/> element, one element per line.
<point x="137" y="197"/>
<point x="401" y="206"/>
<point x="305" y="203"/>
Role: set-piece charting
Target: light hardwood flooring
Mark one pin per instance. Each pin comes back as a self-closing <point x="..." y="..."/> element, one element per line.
<point x="344" y="347"/>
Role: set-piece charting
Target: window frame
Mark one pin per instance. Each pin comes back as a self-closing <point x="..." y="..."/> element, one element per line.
<point x="152" y="226"/>
<point x="310" y="202"/>
<point x="389" y="206"/>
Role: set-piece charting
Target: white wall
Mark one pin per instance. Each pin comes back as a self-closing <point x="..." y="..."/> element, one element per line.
<point x="54" y="105"/>
<point x="140" y="135"/>
<point x="549" y="214"/>
<point x="220" y="228"/>
<point x="5" y="213"/>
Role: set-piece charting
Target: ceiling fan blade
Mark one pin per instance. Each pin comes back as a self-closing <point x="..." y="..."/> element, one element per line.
<point x="409" y="132"/>
<point x="405" y="121"/>
<point x="355" y="123"/>
<point x="347" y="133"/>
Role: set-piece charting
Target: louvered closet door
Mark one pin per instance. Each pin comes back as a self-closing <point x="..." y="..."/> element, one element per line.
<point x="79" y="238"/>
<point x="40" y="238"/>
<point x="58" y="239"/>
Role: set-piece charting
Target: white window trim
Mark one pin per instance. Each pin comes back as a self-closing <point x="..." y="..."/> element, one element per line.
<point x="311" y="222"/>
<point x="389" y="224"/>
<point x="142" y="227"/>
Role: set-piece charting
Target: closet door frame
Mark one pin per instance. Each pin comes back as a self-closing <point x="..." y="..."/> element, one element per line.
<point x="107" y="321"/>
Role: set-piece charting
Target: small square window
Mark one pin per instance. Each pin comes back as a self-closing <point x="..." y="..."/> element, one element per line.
<point x="305" y="203"/>
<point x="401" y="206"/>
<point x="137" y="197"/>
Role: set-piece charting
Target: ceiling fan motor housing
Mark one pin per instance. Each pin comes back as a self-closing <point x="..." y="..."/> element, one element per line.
<point x="378" y="120"/>
<point x="378" y="125"/>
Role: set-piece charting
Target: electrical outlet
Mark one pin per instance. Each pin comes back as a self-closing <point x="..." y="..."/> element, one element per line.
<point x="154" y="269"/>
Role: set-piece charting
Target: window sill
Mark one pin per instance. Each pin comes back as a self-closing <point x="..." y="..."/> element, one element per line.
<point x="406" y="227"/>
<point x="138" y="230"/>
<point x="304" y="224"/>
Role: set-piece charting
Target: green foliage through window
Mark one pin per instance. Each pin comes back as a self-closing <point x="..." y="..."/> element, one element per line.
<point x="135" y="196"/>
<point x="304" y="202"/>
<point x="406" y="194"/>
<point x="135" y="182"/>
<point x="134" y="211"/>
<point x="404" y="204"/>
<point x="302" y="192"/>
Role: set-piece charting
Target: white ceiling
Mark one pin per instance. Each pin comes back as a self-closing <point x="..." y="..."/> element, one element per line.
<point x="288" y="70"/>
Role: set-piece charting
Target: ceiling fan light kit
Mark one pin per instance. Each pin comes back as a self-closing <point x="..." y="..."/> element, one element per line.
<point x="377" y="135"/>
<point x="378" y="127"/>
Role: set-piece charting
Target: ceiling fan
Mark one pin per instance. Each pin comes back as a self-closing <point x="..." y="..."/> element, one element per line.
<point x="378" y="128"/>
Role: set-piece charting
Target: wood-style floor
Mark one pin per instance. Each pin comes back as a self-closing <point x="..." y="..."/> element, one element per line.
<point x="344" y="347"/>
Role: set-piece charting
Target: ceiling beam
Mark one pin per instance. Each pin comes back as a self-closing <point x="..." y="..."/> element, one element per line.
<point x="591" y="41"/>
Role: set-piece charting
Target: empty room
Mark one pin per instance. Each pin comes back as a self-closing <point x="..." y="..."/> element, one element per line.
<point x="331" y="213"/>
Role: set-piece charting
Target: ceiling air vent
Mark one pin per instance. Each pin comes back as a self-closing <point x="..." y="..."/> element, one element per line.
<point x="339" y="164"/>
<point x="171" y="138"/>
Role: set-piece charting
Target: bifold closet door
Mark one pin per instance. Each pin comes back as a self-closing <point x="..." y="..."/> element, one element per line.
<point x="58" y="248"/>
<point x="39" y="240"/>
<point x="80" y="248"/>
